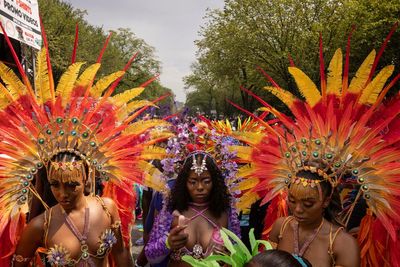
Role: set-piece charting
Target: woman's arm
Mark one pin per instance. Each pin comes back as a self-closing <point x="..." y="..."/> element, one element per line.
<point x="273" y="237"/>
<point x="121" y="254"/>
<point x="346" y="251"/>
<point x="30" y="241"/>
<point x="156" y="249"/>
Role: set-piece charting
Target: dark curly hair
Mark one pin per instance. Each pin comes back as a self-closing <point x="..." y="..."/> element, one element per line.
<point x="331" y="213"/>
<point x="219" y="196"/>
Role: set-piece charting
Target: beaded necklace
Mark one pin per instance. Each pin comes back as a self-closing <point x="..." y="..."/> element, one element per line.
<point x="308" y="241"/>
<point x="82" y="237"/>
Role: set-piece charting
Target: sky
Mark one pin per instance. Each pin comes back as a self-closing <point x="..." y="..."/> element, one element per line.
<point x="170" y="26"/>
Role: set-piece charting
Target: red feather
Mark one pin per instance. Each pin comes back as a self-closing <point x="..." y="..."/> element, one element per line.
<point x="322" y="68"/>
<point x="73" y="58"/>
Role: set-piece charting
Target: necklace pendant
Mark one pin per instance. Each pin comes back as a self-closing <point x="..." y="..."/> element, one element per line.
<point x="197" y="251"/>
<point x="85" y="254"/>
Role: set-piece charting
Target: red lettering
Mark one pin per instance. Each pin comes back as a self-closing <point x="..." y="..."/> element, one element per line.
<point x="24" y="6"/>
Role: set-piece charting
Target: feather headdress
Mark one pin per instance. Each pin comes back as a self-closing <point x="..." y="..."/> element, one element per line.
<point x="347" y="136"/>
<point x="76" y="116"/>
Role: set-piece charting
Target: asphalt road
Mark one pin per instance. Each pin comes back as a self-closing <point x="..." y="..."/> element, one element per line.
<point x="136" y="234"/>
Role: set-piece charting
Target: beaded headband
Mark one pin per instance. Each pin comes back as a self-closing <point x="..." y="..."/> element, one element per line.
<point x="66" y="165"/>
<point x="317" y="156"/>
<point x="72" y="136"/>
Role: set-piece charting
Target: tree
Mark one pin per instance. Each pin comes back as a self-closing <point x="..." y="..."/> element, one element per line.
<point x="250" y="33"/>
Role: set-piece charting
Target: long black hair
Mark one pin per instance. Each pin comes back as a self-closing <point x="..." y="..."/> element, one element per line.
<point x="334" y="207"/>
<point x="219" y="196"/>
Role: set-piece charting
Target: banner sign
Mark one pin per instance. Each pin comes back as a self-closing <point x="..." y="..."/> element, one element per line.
<point x="20" y="19"/>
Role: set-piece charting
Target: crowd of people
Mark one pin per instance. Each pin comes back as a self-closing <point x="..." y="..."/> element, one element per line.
<point x="320" y="186"/>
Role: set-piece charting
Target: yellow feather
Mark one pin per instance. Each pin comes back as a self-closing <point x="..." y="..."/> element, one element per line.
<point x="153" y="152"/>
<point x="126" y="96"/>
<point x="104" y="82"/>
<point x="264" y="109"/>
<point x="243" y="152"/>
<point x="334" y="84"/>
<point x="157" y="134"/>
<point x="245" y="171"/>
<point x="251" y="138"/>
<point x="5" y="98"/>
<point x="361" y="77"/>
<point x="248" y="183"/>
<point x="152" y="176"/>
<point x="42" y="85"/>
<point x="306" y="86"/>
<point x="3" y="102"/>
<point x="371" y="92"/>
<point x="12" y="82"/>
<point x="87" y="76"/>
<point x="246" y="200"/>
<point x="67" y="81"/>
<point x="286" y="97"/>
<point x="142" y="126"/>
<point x="271" y="109"/>
<point x="132" y="106"/>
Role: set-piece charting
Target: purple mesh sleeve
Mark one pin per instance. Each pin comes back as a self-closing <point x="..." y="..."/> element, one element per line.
<point x="233" y="221"/>
<point x="156" y="250"/>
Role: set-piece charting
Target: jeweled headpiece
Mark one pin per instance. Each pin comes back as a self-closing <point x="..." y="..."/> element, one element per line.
<point x="196" y="167"/>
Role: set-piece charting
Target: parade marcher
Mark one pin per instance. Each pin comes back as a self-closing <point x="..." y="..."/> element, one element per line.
<point x="343" y="136"/>
<point x="77" y="226"/>
<point x="68" y="135"/>
<point x="199" y="205"/>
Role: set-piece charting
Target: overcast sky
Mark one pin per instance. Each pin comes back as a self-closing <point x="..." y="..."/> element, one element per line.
<point x="170" y="26"/>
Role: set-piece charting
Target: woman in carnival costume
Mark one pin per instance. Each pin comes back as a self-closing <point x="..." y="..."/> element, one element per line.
<point x="343" y="136"/>
<point x="67" y="135"/>
<point x="196" y="208"/>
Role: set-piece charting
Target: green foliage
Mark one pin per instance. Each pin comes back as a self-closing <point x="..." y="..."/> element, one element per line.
<point x="60" y="18"/>
<point x="250" y="33"/>
<point x="239" y="254"/>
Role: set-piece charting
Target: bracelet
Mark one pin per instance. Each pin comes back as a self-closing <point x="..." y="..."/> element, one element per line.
<point x="20" y="258"/>
<point x="167" y="243"/>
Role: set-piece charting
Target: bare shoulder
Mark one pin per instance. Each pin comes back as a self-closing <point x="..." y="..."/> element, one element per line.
<point x="111" y="206"/>
<point x="345" y="238"/>
<point x="36" y="224"/>
<point x="32" y="236"/>
<point x="346" y="250"/>
<point x="109" y="203"/>
<point x="276" y="228"/>
<point x="105" y="204"/>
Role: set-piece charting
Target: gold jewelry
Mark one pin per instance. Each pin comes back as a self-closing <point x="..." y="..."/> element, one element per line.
<point x="20" y="258"/>
<point x="66" y="165"/>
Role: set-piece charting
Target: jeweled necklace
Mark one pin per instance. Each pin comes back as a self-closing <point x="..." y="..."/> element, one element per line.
<point x="81" y="237"/>
<point x="309" y="240"/>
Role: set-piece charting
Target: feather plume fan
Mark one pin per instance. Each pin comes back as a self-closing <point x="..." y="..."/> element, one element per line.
<point x="351" y="131"/>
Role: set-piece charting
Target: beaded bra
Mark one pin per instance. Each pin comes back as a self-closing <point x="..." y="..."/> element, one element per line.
<point x="60" y="256"/>
<point x="197" y="251"/>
